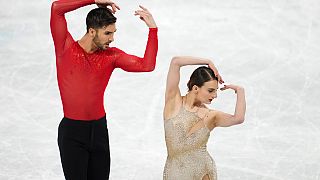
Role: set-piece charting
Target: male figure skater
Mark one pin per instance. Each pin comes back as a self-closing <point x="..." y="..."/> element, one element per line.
<point x="83" y="71"/>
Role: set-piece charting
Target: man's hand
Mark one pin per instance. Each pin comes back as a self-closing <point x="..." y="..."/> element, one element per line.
<point x="146" y="16"/>
<point x="106" y="3"/>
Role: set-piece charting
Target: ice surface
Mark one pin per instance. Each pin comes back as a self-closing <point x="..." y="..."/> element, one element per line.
<point x="270" y="47"/>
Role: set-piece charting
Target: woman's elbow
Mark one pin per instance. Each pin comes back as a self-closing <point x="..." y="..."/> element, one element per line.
<point x="175" y="60"/>
<point x="239" y="120"/>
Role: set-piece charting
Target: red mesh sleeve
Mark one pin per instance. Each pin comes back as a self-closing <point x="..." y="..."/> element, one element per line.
<point x="133" y="63"/>
<point x="58" y="25"/>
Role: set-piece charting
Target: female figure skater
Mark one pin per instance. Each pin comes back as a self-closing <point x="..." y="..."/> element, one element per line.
<point x="188" y="122"/>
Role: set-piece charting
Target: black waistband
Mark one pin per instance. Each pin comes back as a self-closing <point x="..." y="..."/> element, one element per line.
<point x="102" y="120"/>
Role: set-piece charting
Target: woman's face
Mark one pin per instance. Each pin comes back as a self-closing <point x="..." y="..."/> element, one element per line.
<point x="207" y="92"/>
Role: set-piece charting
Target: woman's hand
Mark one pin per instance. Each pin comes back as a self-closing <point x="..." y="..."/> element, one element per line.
<point x="216" y="73"/>
<point x="233" y="87"/>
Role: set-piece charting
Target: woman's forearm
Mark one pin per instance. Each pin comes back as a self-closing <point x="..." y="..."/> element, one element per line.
<point x="188" y="60"/>
<point x="240" y="109"/>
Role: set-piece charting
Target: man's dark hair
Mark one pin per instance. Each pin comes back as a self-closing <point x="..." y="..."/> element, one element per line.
<point x="99" y="17"/>
<point x="200" y="76"/>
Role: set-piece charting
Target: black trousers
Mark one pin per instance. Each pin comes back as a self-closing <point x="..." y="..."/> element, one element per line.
<point x="84" y="149"/>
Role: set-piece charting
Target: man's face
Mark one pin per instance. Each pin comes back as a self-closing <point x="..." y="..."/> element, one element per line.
<point x="104" y="36"/>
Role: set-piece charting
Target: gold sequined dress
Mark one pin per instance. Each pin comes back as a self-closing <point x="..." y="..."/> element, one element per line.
<point x="186" y="137"/>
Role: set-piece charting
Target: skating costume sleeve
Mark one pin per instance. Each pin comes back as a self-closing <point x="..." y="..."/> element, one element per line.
<point x="61" y="37"/>
<point x="132" y="63"/>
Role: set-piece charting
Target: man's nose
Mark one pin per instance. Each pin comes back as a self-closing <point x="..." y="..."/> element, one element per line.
<point x="111" y="38"/>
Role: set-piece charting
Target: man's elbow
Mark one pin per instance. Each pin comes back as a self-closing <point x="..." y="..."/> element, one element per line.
<point x="149" y="69"/>
<point x="55" y="7"/>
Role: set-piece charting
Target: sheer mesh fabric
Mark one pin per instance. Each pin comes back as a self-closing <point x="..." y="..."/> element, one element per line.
<point x="83" y="77"/>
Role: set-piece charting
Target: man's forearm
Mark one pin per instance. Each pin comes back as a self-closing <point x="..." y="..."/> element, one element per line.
<point x="58" y="24"/>
<point x="150" y="55"/>
<point x="63" y="6"/>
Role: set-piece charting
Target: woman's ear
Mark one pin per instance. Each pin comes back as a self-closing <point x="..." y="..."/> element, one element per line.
<point x="195" y="88"/>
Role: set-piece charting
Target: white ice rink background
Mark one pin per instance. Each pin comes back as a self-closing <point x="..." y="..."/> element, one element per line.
<point x="271" y="47"/>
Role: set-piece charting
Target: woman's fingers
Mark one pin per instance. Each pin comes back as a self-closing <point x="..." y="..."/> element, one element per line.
<point x="114" y="8"/>
<point x="216" y="73"/>
<point x="220" y="80"/>
<point x="117" y="6"/>
<point x="224" y="88"/>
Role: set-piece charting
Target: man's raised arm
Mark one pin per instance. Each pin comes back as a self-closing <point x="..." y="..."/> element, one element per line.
<point x="61" y="37"/>
<point x="133" y="63"/>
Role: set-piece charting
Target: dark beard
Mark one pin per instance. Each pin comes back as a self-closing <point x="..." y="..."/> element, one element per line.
<point x="97" y="43"/>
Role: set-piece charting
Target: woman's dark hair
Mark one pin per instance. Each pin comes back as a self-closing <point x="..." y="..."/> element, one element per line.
<point x="200" y="76"/>
<point x="99" y="17"/>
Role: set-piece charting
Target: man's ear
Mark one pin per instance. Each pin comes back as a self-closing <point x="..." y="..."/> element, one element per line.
<point x="92" y="32"/>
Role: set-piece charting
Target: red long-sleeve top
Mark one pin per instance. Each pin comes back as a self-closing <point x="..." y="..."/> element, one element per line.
<point x="83" y="77"/>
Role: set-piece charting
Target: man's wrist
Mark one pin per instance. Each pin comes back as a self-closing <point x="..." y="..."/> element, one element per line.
<point x="152" y="26"/>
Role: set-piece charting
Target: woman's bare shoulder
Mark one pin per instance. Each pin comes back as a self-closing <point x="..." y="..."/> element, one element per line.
<point x="172" y="107"/>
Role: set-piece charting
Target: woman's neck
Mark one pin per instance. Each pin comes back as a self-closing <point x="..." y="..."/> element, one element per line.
<point x="191" y="101"/>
